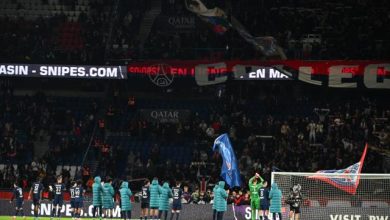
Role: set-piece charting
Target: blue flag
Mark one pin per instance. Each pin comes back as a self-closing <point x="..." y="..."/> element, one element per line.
<point x="229" y="171"/>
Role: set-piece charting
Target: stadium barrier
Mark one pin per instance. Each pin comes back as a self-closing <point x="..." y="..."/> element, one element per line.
<point x="201" y="212"/>
<point x="190" y="211"/>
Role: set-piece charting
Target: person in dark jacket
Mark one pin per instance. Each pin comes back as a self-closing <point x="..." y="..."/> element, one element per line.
<point x="18" y="196"/>
<point x="145" y="200"/>
<point x="264" y="201"/>
<point x="78" y="199"/>
<point x="36" y="195"/>
<point x="177" y="193"/>
<point x="294" y="200"/>
<point x="275" y="196"/>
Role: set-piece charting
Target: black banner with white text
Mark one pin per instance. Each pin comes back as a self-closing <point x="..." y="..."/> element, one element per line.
<point x="63" y="71"/>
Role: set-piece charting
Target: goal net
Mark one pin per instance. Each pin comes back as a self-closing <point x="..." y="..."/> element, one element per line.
<point x="328" y="195"/>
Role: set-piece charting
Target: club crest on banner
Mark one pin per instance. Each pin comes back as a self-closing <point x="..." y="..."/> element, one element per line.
<point x="162" y="77"/>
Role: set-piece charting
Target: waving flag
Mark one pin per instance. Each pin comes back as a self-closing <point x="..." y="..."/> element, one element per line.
<point x="220" y="23"/>
<point x="229" y="171"/>
<point x="216" y="17"/>
<point x="345" y="179"/>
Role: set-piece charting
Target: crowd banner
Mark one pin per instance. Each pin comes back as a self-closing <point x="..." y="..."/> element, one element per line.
<point x="63" y="71"/>
<point x="202" y="212"/>
<point x="165" y="115"/>
<point x="335" y="74"/>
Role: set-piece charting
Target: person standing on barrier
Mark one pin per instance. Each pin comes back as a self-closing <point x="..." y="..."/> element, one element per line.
<point x="220" y="200"/>
<point x="18" y="196"/>
<point x="255" y="183"/>
<point x="275" y="196"/>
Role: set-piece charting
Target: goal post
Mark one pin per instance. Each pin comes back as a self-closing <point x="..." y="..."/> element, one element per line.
<point x="336" y="196"/>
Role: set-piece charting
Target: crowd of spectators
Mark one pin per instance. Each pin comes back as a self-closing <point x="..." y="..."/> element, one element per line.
<point x="56" y="35"/>
<point x="269" y="131"/>
<point x="28" y="121"/>
<point x="106" y="31"/>
<point x="305" y="29"/>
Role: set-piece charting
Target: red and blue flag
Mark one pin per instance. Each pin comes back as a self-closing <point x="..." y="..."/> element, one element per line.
<point x="345" y="179"/>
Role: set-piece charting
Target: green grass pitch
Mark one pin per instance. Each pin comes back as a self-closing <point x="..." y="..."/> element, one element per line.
<point x="47" y="218"/>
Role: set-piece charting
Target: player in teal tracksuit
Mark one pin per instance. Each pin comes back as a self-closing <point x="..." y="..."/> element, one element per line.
<point x="154" y="190"/>
<point x="108" y="198"/>
<point x="126" y="194"/>
<point x="165" y="194"/>
<point x="97" y="190"/>
<point x="215" y="210"/>
<point x="220" y="200"/>
<point x="275" y="196"/>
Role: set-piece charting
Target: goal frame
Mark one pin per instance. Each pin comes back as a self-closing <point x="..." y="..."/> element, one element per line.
<point x="339" y="212"/>
<point x="386" y="175"/>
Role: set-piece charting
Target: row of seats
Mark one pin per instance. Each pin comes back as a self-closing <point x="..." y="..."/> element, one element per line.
<point x="347" y="204"/>
<point x="176" y="153"/>
<point x="79" y="2"/>
<point x="37" y="2"/>
<point x="15" y="7"/>
<point x="72" y="170"/>
<point x="39" y="12"/>
<point x="3" y="166"/>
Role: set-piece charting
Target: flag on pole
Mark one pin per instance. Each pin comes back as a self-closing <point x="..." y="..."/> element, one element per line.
<point x="229" y="172"/>
<point x="345" y="179"/>
<point x="216" y="17"/>
<point x="220" y="23"/>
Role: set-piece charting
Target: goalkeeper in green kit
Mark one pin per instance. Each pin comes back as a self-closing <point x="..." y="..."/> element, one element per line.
<point x="255" y="183"/>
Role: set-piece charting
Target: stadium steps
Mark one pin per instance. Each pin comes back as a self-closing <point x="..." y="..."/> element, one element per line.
<point x="41" y="145"/>
<point x="148" y="21"/>
<point x="93" y="165"/>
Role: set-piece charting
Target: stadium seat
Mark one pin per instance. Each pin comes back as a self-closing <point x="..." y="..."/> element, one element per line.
<point x="72" y="171"/>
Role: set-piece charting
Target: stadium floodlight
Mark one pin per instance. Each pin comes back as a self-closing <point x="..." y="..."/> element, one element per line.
<point x="324" y="199"/>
